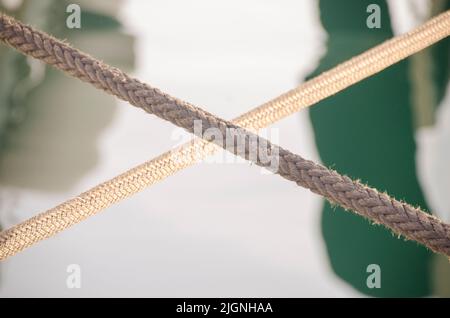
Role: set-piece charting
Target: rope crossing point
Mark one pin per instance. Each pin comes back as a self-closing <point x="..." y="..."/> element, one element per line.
<point x="400" y="217"/>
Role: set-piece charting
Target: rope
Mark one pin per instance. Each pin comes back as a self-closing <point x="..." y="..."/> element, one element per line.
<point x="400" y="217"/>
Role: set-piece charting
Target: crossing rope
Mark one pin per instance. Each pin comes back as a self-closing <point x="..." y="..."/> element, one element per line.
<point x="398" y="216"/>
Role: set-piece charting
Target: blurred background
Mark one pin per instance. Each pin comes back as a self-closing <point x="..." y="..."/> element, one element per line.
<point x="218" y="229"/>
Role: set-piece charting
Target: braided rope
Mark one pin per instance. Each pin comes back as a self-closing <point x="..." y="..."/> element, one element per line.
<point x="400" y="217"/>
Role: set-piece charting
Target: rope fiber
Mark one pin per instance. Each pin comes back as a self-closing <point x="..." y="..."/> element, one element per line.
<point x="400" y="217"/>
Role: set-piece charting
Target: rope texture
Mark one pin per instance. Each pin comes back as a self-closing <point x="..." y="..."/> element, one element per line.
<point x="400" y="217"/>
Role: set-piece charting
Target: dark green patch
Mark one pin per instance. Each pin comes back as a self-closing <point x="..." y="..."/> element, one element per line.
<point x="367" y="133"/>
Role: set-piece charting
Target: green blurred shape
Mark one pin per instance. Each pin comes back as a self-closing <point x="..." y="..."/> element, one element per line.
<point x="93" y="20"/>
<point x="367" y="133"/>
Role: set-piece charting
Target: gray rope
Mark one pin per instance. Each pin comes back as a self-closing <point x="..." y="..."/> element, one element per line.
<point x="400" y="217"/>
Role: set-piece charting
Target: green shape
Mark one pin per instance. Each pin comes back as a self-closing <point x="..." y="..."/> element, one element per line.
<point x="97" y="21"/>
<point x="367" y="133"/>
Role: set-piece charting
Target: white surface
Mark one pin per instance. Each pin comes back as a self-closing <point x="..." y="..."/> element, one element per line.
<point x="214" y="229"/>
<point x="433" y="157"/>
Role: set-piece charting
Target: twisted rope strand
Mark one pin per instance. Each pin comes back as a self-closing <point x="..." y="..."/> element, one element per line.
<point x="400" y="217"/>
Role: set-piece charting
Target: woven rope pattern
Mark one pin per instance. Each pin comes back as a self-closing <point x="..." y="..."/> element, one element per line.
<point x="402" y="218"/>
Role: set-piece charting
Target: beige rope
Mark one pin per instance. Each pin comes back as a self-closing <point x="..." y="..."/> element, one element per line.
<point x="73" y="211"/>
